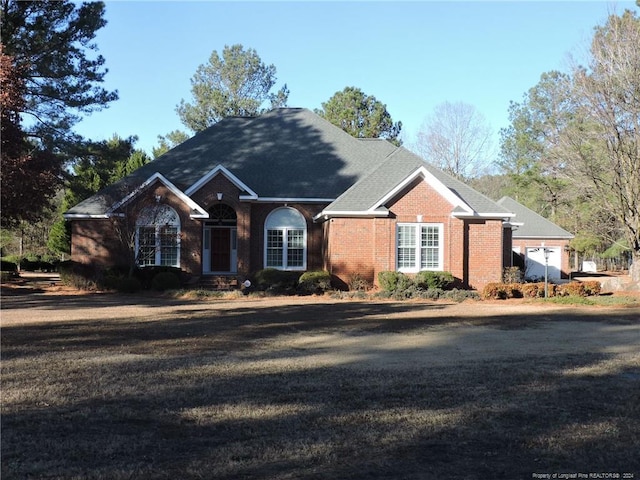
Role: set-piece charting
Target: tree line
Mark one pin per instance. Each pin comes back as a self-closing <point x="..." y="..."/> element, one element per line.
<point x="570" y="152"/>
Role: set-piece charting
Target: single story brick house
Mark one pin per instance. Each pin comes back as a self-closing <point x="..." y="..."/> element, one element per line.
<point x="289" y="190"/>
<point x="534" y="237"/>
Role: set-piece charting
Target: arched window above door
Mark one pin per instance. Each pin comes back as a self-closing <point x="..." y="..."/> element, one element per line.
<point x="222" y="214"/>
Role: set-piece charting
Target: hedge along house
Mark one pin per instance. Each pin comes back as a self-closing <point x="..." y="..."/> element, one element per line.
<point x="289" y="190"/>
<point x="534" y="237"/>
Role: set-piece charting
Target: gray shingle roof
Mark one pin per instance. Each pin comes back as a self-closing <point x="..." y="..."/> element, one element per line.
<point x="289" y="153"/>
<point x="400" y="165"/>
<point x="534" y="225"/>
<point x="286" y="153"/>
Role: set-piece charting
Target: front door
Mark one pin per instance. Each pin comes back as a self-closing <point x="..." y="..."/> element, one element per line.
<point x="220" y="250"/>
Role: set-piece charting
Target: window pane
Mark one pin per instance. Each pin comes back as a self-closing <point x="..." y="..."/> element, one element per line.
<point x="169" y="246"/>
<point x="430" y="247"/>
<point x="406" y="236"/>
<point x="406" y="257"/>
<point x="146" y="245"/>
<point x="406" y="246"/>
<point x="275" y="248"/>
<point x="295" y="248"/>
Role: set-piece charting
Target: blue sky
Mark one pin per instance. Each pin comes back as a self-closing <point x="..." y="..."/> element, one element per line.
<point x="411" y="56"/>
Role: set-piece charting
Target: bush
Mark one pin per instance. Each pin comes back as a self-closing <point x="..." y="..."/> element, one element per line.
<point x="592" y="287"/>
<point x="6" y="266"/>
<point x="512" y="275"/>
<point x="165" y="281"/>
<point x="458" y="295"/>
<point x="276" y="281"/>
<point x="427" y="280"/>
<point x="572" y="289"/>
<point x="495" y="291"/>
<point x="390" y="281"/>
<point x="80" y="275"/>
<point x="315" y="282"/>
<point x="146" y="274"/>
<point x="430" y="294"/>
<point x="358" y="284"/>
<point x="129" y="285"/>
<point x="112" y="282"/>
<point x="533" y="290"/>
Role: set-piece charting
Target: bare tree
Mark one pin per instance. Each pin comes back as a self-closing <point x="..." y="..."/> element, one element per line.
<point x="457" y="139"/>
<point x="138" y="227"/>
<point x="603" y="143"/>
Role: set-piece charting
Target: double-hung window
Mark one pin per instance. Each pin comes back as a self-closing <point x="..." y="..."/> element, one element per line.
<point x="419" y="247"/>
<point x="286" y="240"/>
<point x="157" y="236"/>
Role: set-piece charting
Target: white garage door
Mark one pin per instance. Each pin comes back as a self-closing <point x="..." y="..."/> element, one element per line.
<point x="534" y="263"/>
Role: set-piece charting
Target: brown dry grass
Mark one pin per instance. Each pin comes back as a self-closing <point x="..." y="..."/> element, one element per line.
<point x="110" y="387"/>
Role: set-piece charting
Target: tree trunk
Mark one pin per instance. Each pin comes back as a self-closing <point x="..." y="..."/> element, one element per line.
<point x="634" y="269"/>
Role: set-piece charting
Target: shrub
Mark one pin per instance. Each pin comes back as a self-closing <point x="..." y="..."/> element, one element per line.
<point x="165" y="281"/>
<point x="514" y="290"/>
<point x="430" y="294"/>
<point x="7" y="266"/>
<point x="458" y="295"/>
<point x="358" y="283"/>
<point x="80" y="275"/>
<point x="532" y="290"/>
<point x="112" y="282"/>
<point x="494" y="291"/>
<point x="390" y="281"/>
<point x="146" y="274"/>
<point x="512" y="275"/>
<point x="276" y="281"/>
<point x="572" y="289"/>
<point x="427" y="280"/>
<point x="315" y="282"/>
<point x="592" y="287"/>
<point x="129" y="285"/>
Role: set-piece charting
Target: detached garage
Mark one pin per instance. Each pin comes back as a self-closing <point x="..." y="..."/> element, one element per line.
<point x="538" y="242"/>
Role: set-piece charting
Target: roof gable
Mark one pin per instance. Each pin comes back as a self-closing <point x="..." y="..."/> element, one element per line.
<point x="531" y="224"/>
<point x="220" y="170"/>
<point x="401" y="167"/>
<point x="197" y="210"/>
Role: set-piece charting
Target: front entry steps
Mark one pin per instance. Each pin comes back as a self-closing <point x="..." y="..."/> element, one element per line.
<point x="219" y="282"/>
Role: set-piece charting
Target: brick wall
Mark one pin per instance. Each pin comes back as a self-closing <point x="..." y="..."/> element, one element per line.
<point x="109" y="242"/>
<point x="473" y="250"/>
<point x="485" y="238"/>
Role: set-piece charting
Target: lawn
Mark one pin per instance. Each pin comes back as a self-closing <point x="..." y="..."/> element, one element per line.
<point x="109" y="387"/>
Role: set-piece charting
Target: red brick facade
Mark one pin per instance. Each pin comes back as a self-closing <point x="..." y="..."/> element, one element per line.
<point x="473" y="250"/>
<point x="99" y="242"/>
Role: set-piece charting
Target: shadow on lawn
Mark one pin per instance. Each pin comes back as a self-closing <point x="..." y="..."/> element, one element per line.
<point x="488" y="420"/>
<point x="190" y="397"/>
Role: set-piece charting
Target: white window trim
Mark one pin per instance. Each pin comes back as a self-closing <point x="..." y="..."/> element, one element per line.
<point x="285" y="229"/>
<point x="418" y="248"/>
<point x="158" y="246"/>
